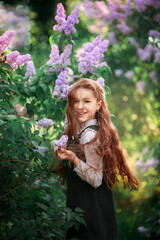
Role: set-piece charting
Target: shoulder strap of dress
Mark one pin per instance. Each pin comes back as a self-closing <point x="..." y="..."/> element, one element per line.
<point x="94" y="127"/>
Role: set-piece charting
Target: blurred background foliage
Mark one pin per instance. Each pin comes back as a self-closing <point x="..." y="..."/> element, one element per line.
<point x="134" y="101"/>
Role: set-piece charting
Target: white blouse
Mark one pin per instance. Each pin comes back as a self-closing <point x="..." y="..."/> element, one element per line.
<point x="90" y="171"/>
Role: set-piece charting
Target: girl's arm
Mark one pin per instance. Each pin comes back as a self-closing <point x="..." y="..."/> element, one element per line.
<point x="90" y="171"/>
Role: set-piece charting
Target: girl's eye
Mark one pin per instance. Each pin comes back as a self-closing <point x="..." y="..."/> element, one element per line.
<point x="87" y="101"/>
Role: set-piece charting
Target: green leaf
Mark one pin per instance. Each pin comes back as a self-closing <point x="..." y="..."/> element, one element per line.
<point x="14" y="89"/>
<point x="31" y="179"/>
<point x="11" y="117"/>
<point x="5" y="105"/>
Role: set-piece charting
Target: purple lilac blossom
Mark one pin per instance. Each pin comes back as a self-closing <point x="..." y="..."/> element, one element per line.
<point x="154" y="3"/>
<point x="17" y="19"/>
<point x="39" y="148"/>
<point x="64" y="57"/>
<point x="54" y="56"/>
<point x="145" y="54"/>
<point x="124" y="29"/>
<point x="61" y="88"/>
<point x="44" y="123"/>
<point x="142" y="229"/>
<point x="157" y="18"/>
<point x="93" y="53"/>
<point x="154" y="33"/>
<point x="140" y="5"/>
<point x="144" y="166"/>
<point x="153" y="76"/>
<point x="159" y="220"/>
<point x="30" y="69"/>
<point x="66" y="25"/>
<point x="112" y="38"/>
<point x="118" y="72"/>
<point x="62" y="142"/>
<point x="101" y="81"/>
<point x="5" y="40"/>
<point x="134" y="42"/>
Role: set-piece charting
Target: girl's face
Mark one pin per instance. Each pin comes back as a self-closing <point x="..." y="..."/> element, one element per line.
<point x="85" y="105"/>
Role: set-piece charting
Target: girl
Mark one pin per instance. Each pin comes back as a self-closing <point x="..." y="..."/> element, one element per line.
<point x="96" y="161"/>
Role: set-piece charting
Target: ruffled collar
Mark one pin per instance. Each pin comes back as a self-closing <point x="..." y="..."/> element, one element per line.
<point x="88" y="123"/>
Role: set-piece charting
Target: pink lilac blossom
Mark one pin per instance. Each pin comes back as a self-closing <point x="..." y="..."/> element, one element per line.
<point x="129" y="74"/>
<point x="30" y="69"/>
<point x="140" y="86"/>
<point x="14" y="59"/>
<point x="154" y="33"/>
<point x="61" y="85"/>
<point x="5" y="40"/>
<point x="66" y="25"/>
<point x="62" y="142"/>
<point x="101" y="81"/>
<point x="44" y="123"/>
<point x="93" y="53"/>
<point x="145" y="54"/>
<point x="142" y="229"/>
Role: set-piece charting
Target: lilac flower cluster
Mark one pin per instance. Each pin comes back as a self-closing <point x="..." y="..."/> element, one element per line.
<point x="144" y="166"/>
<point x="30" y="70"/>
<point x="62" y="142"/>
<point x="44" y="123"/>
<point x="93" y="53"/>
<point x="145" y="54"/>
<point x="124" y="29"/>
<point x="101" y="81"/>
<point x="61" y="88"/>
<point x="66" y="25"/>
<point x="142" y="229"/>
<point x="17" y="19"/>
<point x="39" y="148"/>
<point x="5" y="40"/>
<point x="14" y="59"/>
<point x="55" y="58"/>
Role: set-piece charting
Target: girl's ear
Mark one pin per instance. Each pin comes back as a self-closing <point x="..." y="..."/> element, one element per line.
<point x="99" y="104"/>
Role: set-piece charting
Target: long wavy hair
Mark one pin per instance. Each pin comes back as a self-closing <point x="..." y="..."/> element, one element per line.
<point x="109" y="145"/>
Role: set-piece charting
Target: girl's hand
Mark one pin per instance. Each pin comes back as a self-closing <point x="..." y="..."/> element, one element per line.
<point x="64" y="154"/>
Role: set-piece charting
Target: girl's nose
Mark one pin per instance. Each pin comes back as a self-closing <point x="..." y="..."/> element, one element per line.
<point x="80" y="105"/>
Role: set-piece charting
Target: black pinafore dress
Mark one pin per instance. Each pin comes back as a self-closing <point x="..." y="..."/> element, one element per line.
<point x="97" y="204"/>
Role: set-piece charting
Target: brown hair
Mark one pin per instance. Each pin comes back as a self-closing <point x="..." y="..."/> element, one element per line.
<point x="109" y="147"/>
